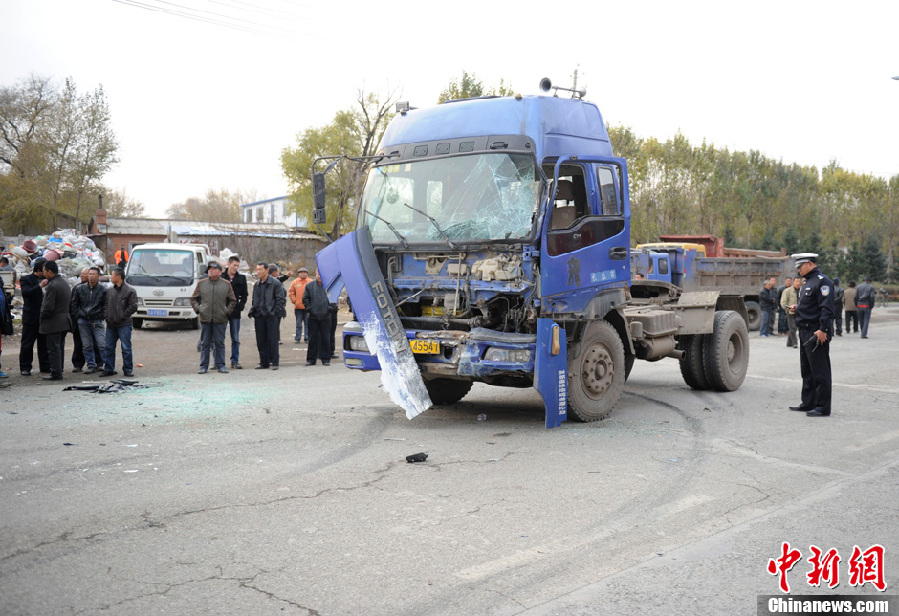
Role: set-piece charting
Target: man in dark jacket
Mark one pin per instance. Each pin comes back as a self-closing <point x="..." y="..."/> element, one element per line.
<point x="865" y="296"/>
<point x="213" y="300"/>
<point x="32" y="287"/>
<point x="269" y="299"/>
<point x="121" y="303"/>
<point x="838" y="292"/>
<point x="318" y="312"/>
<point x="55" y="318"/>
<point x="77" y="352"/>
<point x="768" y="302"/>
<point x="239" y="285"/>
<point x="89" y="306"/>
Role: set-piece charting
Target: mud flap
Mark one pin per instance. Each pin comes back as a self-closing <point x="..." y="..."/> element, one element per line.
<point x="351" y="262"/>
<point x="551" y="371"/>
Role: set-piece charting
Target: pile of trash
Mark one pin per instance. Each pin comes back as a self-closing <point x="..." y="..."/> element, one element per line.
<point x="71" y="251"/>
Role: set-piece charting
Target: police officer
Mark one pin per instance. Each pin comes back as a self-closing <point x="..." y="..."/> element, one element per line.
<point x="814" y="319"/>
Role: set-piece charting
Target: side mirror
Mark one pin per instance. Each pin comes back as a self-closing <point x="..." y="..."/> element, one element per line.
<point x="318" y="198"/>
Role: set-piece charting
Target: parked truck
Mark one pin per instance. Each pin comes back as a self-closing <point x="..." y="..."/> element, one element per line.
<point x="713" y="246"/>
<point x="492" y="245"/>
<point x="164" y="277"/>
<point x="683" y="264"/>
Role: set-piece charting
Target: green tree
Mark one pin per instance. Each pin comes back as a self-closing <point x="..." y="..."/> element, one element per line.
<point x="354" y="132"/>
<point x="55" y="146"/>
<point x="791" y="241"/>
<point x="872" y="259"/>
<point x="469" y="86"/>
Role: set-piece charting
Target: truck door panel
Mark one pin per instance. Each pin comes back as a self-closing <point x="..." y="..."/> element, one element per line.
<point x="585" y="232"/>
<point x="592" y="252"/>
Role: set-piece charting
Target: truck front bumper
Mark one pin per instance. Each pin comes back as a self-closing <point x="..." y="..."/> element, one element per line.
<point x="478" y="355"/>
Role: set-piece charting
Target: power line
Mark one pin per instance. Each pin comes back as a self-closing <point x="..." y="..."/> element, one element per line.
<point x="212" y="18"/>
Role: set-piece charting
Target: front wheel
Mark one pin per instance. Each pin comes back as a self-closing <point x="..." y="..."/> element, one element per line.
<point x="195" y="323"/>
<point x="447" y="391"/>
<point x="596" y="373"/>
<point x="138" y="323"/>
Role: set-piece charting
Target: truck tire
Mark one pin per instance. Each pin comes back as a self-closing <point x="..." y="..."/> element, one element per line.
<point x="692" y="366"/>
<point x="195" y="323"/>
<point x="754" y="313"/>
<point x="726" y="351"/>
<point x="447" y="391"/>
<point x="596" y="372"/>
<point x="137" y="323"/>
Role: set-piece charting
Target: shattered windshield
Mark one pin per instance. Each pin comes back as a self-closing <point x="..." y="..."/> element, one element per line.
<point x="476" y="197"/>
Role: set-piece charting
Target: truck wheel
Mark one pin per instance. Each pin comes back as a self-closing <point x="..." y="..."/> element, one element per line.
<point x="726" y="351"/>
<point x="195" y="323"/>
<point x="754" y="313"/>
<point x="692" y="367"/>
<point x="595" y="373"/>
<point x="138" y="323"/>
<point x="447" y="391"/>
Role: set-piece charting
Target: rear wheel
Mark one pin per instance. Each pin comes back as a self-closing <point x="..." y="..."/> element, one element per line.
<point x="596" y="373"/>
<point x="447" y="391"/>
<point x="692" y="367"/>
<point x="726" y="351"/>
<point x="138" y="323"/>
<point x="754" y="314"/>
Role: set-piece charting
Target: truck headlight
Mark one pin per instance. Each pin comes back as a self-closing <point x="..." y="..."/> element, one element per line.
<point x="140" y="301"/>
<point x="357" y="343"/>
<point x="507" y="356"/>
<point x="181" y="301"/>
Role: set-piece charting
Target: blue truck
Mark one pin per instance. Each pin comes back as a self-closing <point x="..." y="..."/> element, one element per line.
<point x="493" y="245"/>
<point x="687" y="267"/>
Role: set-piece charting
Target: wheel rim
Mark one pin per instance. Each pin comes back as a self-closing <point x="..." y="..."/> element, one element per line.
<point x="597" y="371"/>
<point x="734" y="352"/>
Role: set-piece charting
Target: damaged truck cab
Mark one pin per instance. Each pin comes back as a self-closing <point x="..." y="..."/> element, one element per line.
<point x="492" y="245"/>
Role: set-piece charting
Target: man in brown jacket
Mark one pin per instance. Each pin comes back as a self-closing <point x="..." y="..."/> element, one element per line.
<point x="213" y="300"/>
<point x="849" y="307"/>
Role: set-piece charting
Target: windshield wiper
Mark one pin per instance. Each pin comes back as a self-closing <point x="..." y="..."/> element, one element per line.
<point x="449" y="242"/>
<point x="391" y="227"/>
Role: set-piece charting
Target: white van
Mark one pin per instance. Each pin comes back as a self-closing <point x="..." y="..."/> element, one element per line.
<point x="164" y="276"/>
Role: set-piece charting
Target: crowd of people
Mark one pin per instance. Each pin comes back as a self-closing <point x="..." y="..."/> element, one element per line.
<point x="855" y="302"/>
<point x="99" y="317"/>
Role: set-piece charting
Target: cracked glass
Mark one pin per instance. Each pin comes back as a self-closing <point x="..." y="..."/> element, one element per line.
<point x="464" y="198"/>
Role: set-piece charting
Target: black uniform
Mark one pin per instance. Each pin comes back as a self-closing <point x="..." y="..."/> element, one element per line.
<point x="33" y="296"/>
<point x="815" y="312"/>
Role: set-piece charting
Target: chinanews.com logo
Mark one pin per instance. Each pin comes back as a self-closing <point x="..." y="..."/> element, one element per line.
<point x="863" y="569"/>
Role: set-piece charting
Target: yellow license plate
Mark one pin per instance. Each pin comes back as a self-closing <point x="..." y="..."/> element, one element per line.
<point x="425" y="347"/>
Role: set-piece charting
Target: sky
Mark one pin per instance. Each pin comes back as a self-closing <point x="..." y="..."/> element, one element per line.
<point x="205" y="94"/>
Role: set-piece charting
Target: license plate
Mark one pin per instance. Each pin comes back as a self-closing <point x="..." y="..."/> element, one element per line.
<point x="157" y="313"/>
<point x="425" y="347"/>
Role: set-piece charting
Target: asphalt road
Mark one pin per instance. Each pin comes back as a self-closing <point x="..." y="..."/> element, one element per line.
<point x="261" y="492"/>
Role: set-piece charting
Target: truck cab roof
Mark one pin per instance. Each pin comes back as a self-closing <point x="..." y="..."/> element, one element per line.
<point x="555" y="126"/>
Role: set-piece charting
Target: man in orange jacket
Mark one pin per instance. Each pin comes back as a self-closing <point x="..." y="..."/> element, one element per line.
<point x="295" y="293"/>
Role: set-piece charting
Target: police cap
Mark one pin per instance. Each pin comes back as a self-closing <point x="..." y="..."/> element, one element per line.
<point x="805" y="257"/>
